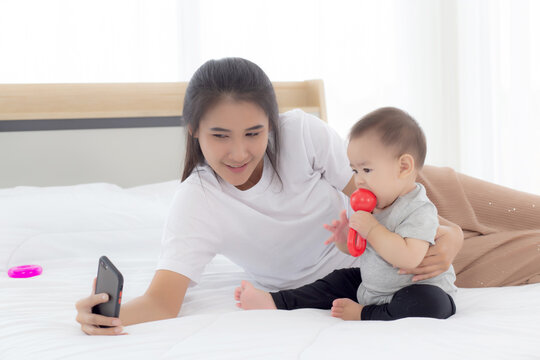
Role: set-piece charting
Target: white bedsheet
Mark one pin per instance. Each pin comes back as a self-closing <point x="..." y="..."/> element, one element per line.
<point x="66" y="229"/>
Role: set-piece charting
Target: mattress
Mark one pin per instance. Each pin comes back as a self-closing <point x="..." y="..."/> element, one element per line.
<point x="66" y="229"/>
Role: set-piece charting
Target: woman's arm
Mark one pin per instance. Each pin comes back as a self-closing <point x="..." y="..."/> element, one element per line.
<point x="162" y="300"/>
<point x="439" y="257"/>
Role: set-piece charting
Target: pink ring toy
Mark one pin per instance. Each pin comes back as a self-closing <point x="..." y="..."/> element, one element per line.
<point x="25" y="271"/>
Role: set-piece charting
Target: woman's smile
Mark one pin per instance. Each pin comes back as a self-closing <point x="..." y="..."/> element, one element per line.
<point x="237" y="168"/>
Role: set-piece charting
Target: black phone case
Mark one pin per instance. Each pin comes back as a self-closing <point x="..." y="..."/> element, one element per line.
<point x="109" y="281"/>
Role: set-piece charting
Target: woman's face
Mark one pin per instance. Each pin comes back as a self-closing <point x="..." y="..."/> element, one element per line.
<point x="233" y="136"/>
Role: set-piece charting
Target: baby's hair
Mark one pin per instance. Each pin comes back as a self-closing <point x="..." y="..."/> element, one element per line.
<point x="396" y="129"/>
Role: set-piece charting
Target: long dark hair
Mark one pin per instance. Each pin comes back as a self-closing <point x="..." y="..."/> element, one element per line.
<point x="235" y="78"/>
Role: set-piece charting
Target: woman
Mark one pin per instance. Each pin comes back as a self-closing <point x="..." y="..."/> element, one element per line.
<point x="257" y="187"/>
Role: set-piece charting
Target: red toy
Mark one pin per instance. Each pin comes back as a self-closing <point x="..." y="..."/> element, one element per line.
<point x="364" y="200"/>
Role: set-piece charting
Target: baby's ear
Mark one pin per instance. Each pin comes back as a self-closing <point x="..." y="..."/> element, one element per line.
<point x="406" y="165"/>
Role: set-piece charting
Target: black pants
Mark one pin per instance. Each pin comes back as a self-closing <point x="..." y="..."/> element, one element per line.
<point x="418" y="300"/>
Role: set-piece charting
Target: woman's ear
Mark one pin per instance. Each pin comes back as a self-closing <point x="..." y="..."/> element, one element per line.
<point x="406" y="165"/>
<point x="190" y="130"/>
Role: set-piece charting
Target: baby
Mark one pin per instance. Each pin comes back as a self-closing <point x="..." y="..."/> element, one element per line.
<point x="386" y="150"/>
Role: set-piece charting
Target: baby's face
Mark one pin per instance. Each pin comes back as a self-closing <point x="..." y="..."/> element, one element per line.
<point x="375" y="168"/>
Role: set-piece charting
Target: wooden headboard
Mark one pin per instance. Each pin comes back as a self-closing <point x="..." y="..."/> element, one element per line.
<point x="123" y="133"/>
<point x="129" y="100"/>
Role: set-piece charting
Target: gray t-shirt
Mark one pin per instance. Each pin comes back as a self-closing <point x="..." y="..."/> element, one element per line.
<point x="412" y="215"/>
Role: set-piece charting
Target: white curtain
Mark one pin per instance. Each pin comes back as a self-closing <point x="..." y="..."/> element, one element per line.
<point x="467" y="70"/>
<point x="499" y="91"/>
<point x="67" y="41"/>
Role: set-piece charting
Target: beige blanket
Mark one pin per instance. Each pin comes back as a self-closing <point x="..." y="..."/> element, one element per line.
<point x="501" y="228"/>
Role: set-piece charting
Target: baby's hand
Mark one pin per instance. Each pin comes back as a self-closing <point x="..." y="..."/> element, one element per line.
<point x="363" y="222"/>
<point x="339" y="229"/>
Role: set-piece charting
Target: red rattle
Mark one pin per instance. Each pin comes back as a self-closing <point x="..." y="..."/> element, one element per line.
<point x="364" y="200"/>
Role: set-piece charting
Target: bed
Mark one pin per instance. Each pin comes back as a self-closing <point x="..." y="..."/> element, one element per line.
<point x="65" y="228"/>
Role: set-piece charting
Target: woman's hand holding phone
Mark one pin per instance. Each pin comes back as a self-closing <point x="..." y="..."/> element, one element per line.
<point x="96" y="324"/>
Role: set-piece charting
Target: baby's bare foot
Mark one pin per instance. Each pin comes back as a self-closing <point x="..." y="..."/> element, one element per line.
<point x="346" y="309"/>
<point x="251" y="298"/>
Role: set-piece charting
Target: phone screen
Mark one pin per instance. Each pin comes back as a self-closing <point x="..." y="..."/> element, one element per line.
<point x="109" y="281"/>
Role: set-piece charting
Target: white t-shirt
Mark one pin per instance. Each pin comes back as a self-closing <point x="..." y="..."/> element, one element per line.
<point x="274" y="230"/>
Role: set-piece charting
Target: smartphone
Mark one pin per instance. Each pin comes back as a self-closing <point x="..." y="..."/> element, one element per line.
<point x="109" y="281"/>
